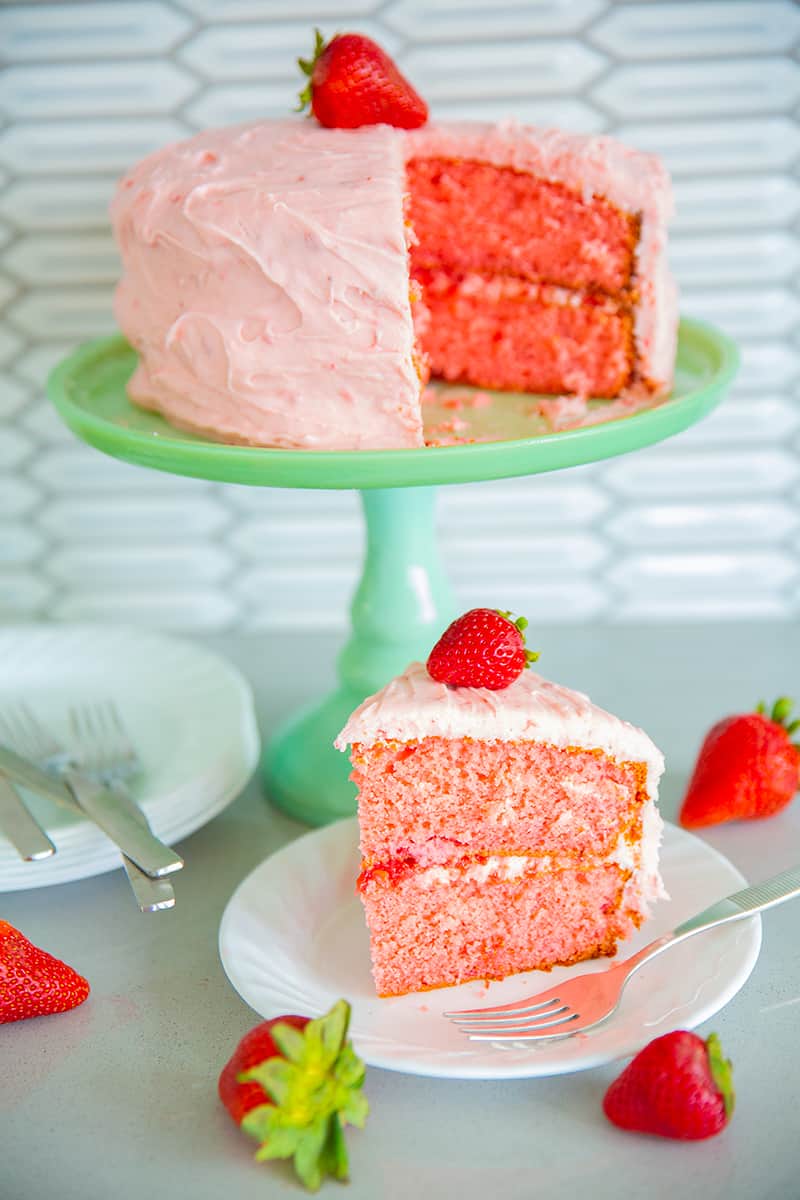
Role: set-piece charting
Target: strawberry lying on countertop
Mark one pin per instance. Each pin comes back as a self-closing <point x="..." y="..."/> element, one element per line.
<point x="678" y="1086"/>
<point x="293" y="1083"/>
<point x="748" y="767"/>
<point x="32" y="982"/>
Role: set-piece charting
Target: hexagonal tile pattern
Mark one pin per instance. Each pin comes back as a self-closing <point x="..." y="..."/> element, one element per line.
<point x="501" y="69"/>
<point x="698" y="89"/>
<point x="471" y="21"/>
<point x="264" y="51"/>
<point x="695" y="29"/>
<point x="706" y="526"/>
<point x="53" y="32"/>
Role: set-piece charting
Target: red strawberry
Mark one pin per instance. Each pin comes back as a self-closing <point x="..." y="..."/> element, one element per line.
<point x="293" y="1084"/>
<point x="353" y="82"/>
<point x="679" y="1086"/>
<point x="482" y="648"/>
<point x="747" y="767"/>
<point x="32" y="982"/>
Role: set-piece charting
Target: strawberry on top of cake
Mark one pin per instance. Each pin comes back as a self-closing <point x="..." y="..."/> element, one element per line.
<point x="294" y="284"/>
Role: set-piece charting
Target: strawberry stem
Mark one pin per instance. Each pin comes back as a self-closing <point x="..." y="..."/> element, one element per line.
<point x="722" y="1072"/>
<point x="521" y="623"/>
<point x="780" y="713"/>
<point x="307" y="65"/>
<point x="315" y="1088"/>
<point x="781" y="709"/>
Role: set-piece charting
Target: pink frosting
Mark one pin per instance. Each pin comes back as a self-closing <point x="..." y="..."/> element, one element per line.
<point x="266" y="282"/>
<point x="414" y="706"/>
<point x="266" y="286"/>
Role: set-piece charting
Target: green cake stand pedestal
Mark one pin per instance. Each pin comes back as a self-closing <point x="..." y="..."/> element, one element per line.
<point x="403" y="600"/>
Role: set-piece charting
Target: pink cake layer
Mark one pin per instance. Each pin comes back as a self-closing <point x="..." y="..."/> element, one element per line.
<point x="513" y="335"/>
<point x="440" y="927"/>
<point x="474" y="217"/>
<point x="440" y="798"/>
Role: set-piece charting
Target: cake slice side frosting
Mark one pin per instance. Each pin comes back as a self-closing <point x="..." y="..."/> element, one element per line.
<point x="414" y="706"/>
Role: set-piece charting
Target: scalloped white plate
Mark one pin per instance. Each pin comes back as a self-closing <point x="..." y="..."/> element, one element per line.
<point x="189" y="713"/>
<point x="293" y="939"/>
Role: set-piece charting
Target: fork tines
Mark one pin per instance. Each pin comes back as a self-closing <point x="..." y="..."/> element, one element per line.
<point x="526" y="1022"/>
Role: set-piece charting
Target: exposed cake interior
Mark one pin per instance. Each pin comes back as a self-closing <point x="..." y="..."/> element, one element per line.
<point x="447" y="925"/>
<point x="485" y="857"/>
<point x="528" y="283"/>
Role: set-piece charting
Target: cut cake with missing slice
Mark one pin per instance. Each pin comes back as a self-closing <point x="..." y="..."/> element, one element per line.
<point x="293" y="286"/>
<point x="501" y="831"/>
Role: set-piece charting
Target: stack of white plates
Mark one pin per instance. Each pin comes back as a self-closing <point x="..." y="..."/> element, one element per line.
<point x="189" y="713"/>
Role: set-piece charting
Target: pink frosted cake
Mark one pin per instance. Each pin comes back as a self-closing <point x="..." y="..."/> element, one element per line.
<point x="501" y="831"/>
<point x="293" y="286"/>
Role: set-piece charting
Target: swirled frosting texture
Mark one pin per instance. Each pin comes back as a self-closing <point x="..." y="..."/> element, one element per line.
<point x="414" y="706"/>
<point x="266" y="276"/>
<point x="266" y="286"/>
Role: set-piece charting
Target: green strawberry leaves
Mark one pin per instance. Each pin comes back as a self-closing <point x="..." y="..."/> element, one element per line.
<point x="307" y="65"/>
<point x="521" y="624"/>
<point x="316" y="1090"/>
<point x="780" y="713"/>
<point x="722" y="1071"/>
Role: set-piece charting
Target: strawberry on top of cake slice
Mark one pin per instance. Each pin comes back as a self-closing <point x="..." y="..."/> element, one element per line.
<point x="506" y="823"/>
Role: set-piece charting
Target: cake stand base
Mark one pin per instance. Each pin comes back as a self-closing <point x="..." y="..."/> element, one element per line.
<point x="401" y="605"/>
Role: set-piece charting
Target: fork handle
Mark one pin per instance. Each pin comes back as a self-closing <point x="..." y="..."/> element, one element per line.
<point x="152" y="895"/>
<point x="746" y="903"/>
<point x="133" y="838"/>
<point x="749" y="900"/>
<point x="20" y="826"/>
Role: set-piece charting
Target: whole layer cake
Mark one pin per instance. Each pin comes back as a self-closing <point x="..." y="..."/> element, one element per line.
<point x="501" y="831"/>
<point x="294" y="286"/>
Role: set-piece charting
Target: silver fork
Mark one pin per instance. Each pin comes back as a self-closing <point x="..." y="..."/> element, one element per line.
<point x="31" y="737"/>
<point x="108" y="753"/>
<point x="106" y="748"/>
<point x="585" y="1001"/>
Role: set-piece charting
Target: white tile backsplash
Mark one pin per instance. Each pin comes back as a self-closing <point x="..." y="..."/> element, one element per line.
<point x="702" y="527"/>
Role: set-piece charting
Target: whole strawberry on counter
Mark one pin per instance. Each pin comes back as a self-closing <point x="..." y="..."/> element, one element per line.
<point x="293" y="1083"/>
<point x="352" y="82"/>
<point x="748" y="767"/>
<point x="481" y="648"/>
<point x="32" y="982"/>
<point x="678" y="1086"/>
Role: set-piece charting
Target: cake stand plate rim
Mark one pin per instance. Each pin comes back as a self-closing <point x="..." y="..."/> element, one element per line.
<point x="70" y="391"/>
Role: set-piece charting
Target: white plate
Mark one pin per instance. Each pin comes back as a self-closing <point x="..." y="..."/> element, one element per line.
<point x="293" y="939"/>
<point x="189" y="712"/>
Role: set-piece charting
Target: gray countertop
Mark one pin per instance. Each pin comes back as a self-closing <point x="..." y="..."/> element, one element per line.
<point x="118" y="1097"/>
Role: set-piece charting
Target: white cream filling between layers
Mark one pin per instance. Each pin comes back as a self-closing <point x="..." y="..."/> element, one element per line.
<point x="640" y="857"/>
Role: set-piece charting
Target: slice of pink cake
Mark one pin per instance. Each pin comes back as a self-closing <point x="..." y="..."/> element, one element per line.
<point x="501" y="831"/>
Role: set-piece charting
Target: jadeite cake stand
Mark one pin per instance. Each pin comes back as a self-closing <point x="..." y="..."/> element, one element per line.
<point x="403" y="599"/>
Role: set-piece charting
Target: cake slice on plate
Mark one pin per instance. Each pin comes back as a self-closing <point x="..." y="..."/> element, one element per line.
<point x="503" y="828"/>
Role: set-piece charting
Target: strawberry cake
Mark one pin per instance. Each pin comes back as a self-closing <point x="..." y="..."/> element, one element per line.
<point x="295" y="286"/>
<point x="502" y="829"/>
